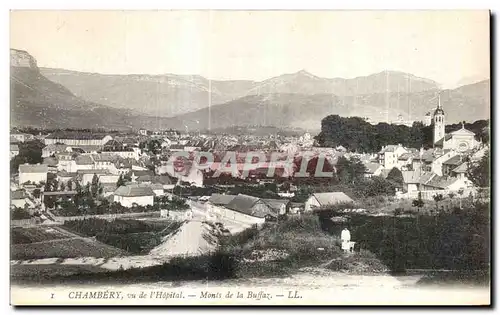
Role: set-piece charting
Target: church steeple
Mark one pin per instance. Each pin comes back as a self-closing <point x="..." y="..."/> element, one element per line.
<point x="439" y="122"/>
<point x="439" y="109"/>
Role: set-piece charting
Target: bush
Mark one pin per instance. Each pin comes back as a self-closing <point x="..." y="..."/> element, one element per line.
<point x="458" y="241"/>
<point x="20" y="214"/>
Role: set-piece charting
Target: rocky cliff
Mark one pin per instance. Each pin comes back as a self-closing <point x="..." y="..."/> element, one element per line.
<point x="21" y="58"/>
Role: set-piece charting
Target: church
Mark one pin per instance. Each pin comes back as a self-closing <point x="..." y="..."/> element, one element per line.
<point x="461" y="140"/>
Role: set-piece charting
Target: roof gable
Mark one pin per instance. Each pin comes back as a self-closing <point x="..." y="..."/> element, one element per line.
<point x="463" y="131"/>
<point x="134" y="191"/>
<point x="220" y="199"/>
<point x="330" y="198"/>
<point x="33" y="168"/>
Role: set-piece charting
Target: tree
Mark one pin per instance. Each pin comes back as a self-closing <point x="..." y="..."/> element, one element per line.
<point x="36" y="193"/>
<point x="127" y="177"/>
<point x="20" y="214"/>
<point x="479" y="172"/>
<point x="451" y="195"/>
<point x="120" y="182"/>
<point x="87" y="190"/>
<point x="419" y="203"/>
<point x="461" y="193"/>
<point x="438" y="198"/>
<point x="94" y="187"/>
<point x="350" y="171"/>
<point x="396" y="176"/>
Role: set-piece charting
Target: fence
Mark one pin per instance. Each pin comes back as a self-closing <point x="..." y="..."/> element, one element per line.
<point x="429" y="194"/>
<point x="24" y="222"/>
<point x="104" y="216"/>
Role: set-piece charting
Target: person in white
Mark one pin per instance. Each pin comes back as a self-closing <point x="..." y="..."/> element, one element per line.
<point x="345" y="236"/>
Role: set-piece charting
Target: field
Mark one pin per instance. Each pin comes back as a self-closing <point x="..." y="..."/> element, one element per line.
<point x="20" y="235"/>
<point x="133" y="236"/>
<point x="64" y="248"/>
<point x="43" y="272"/>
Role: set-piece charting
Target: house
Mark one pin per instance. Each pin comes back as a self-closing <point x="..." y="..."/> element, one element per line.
<point x="129" y="195"/>
<point x="14" y="151"/>
<point x="389" y="155"/>
<point x="105" y="161"/>
<point x="108" y="189"/>
<point x="85" y="176"/>
<point x="84" y="162"/>
<point x="412" y="180"/>
<point x="52" y="164"/>
<point x="405" y="161"/>
<point x="440" y="158"/>
<point x="296" y="207"/>
<point x="52" y="149"/>
<point x="66" y="162"/>
<point x="21" y="137"/>
<point x="20" y="199"/>
<point x="460" y="171"/>
<point x="108" y="179"/>
<point x="247" y="209"/>
<point x="167" y="182"/>
<point x="372" y="169"/>
<point x="158" y="189"/>
<point x="451" y="163"/>
<point x="278" y="206"/>
<point x="318" y="200"/>
<point x="134" y="175"/>
<point x="112" y="145"/>
<point x="447" y="183"/>
<point x="220" y="199"/>
<point x="76" y="138"/>
<point x="33" y="173"/>
<point x="65" y="177"/>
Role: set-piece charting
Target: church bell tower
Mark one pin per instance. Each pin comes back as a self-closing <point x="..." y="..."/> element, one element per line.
<point x="438" y="122"/>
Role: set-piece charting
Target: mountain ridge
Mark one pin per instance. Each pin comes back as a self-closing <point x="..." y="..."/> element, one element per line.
<point x="170" y="95"/>
<point x="297" y="103"/>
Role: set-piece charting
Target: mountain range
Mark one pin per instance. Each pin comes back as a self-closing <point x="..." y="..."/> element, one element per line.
<point x="45" y="97"/>
<point x="171" y="95"/>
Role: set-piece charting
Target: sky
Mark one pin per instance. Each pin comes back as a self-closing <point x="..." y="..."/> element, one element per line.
<point x="445" y="46"/>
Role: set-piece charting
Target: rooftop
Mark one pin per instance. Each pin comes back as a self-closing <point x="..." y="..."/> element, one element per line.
<point x="134" y="191"/>
<point x="18" y="194"/>
<point x="456" y="160"/>
<point x="462" y="168"/>
<point x="329" y="198"/>
<point x="441" y="181"/>
<point x="74" y="135"/>
<point x="372" y="167"/>
<point x="33" y="168"/>
<point x="219" y="199"/>
<point x="244" y="204"/>
<point x="84" y="160"/>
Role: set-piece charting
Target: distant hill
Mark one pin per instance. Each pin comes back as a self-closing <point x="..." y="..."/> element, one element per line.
<point x="38" y="102"/>
<point x="303" y="82"/>
<point x="155" y="95"/>
<point x="170" y="95"/>
<point x="291" y="101"/>
<point x="304" y="111"/>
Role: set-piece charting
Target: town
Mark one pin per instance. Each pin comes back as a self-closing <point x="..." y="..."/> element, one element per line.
<point x="183" y="157"/>
<point x="64" y="182"/>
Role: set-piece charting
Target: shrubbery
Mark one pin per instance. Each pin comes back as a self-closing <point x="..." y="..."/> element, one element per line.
<point x="134" y="236"/>
<point x="456" y="240"/>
